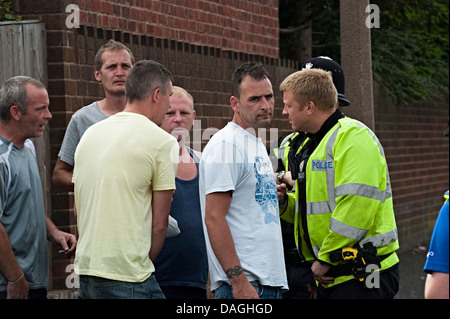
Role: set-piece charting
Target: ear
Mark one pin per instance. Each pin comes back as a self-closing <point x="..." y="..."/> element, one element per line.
<point x="234" y="101"/>
<point x="194" y="114"/>
<point x="97" y="75"/>
<point x="155" y="95"/>
<point x="15" y="113"/>
<point x="311" y="108"/>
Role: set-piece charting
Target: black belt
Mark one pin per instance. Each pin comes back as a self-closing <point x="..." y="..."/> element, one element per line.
<point x="347" y="268"/>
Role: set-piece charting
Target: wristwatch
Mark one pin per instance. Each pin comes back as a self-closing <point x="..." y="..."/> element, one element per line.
<point x="280" y="175"/>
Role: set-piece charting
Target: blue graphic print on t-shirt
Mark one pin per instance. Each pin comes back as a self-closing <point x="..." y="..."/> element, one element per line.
<point x="266" y="190"/>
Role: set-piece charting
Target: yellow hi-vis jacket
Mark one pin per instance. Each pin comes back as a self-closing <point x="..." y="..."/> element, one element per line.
<point x="282" y="151"/>
<point x="348" y="197"/>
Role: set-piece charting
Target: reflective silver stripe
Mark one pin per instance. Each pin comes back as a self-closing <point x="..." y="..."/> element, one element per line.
<point x="318" y="208"/>
<point x="285" y="143"/>
<point x="363" y="190"/>
<point x="326" y="207"/>
<point x="382" y="239"/>
<point x="331" y="172"/>
<point x="280" y="153"/>
<point x="346" y="230"/>
<point x="316" y="250"/>
<point x="347" y="189"/>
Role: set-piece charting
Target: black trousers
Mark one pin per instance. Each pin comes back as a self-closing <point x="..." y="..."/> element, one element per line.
<point x="388" y="288"/>
<point x="299" y="275"/>
<point x="32" y="294"/>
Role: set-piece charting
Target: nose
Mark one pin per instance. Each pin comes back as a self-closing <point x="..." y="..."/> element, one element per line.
<point x="48" y="115"/>
<point x="265" y="103"/>
<point x="177" y="117"/>
<point x="120" y="71"/>
<point x="285" y="111"/>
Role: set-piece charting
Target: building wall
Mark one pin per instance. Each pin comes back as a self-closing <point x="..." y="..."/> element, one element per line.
<point x="201" y="42"/>
<point x="238" y="25"/>
<point x="417" y="155"/>
<point x="412" y="135"/>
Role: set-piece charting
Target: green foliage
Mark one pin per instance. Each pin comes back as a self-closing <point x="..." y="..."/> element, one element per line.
<point x="7" y="12"/>
<point x="322" y="16"/>
<point x="326" y="37"/>
<point x="410" y="50"/>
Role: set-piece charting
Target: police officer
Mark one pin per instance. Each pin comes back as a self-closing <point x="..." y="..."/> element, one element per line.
<point x="298" y="270"/>
<point x="342" y="194"/>
<point x="289" y="145"/>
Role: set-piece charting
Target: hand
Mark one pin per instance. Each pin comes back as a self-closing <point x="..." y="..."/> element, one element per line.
<point x="17" y="289"/>
<point x="65" y="241"/>
<point x="246" y="291"/>
<point x="281" y="191"/>
<point x="60" y="239"/>
<point x="243" y="289"/>
<point x="319" y="271"/>
<point x="287" y="179"/>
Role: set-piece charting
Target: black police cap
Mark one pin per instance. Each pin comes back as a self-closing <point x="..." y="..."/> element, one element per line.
<point x="327" y="64"/>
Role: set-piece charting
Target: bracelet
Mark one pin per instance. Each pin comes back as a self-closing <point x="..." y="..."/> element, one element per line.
<point x="21" y="276"/>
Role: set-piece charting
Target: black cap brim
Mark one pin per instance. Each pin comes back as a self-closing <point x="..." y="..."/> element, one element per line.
<point x="342" y="100"/>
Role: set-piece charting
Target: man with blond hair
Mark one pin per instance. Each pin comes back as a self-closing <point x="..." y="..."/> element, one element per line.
<point x="343" y="196"/>
<point x="182" y="265"/>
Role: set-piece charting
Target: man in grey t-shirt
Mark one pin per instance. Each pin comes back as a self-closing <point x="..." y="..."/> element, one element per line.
<point x="112" y="63"/>
<point x="24" y="113"/>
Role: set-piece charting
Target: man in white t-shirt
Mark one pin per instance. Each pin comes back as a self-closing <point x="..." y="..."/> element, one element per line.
<point x="239" y="198"/>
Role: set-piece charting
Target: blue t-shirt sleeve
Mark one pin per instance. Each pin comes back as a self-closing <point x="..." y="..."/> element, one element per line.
<point x="437" y="259"/>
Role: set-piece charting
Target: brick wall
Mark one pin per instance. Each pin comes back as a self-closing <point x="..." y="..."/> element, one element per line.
<point x="417" y="155"/>
<point x="204" y="71"/>
<point x="242" y="26"/>
<point x="412" y="136"/>
<point x="201" y="46"/>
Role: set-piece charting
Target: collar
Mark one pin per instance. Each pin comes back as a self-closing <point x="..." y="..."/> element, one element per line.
<point x="326" y="126"/>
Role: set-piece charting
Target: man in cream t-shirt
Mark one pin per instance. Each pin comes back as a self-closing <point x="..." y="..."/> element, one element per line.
<point x="124" y="178"/>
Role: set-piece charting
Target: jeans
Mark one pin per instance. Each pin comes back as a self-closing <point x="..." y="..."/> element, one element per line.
<point x="225" y="291"/>
<point x="101" y="288"/>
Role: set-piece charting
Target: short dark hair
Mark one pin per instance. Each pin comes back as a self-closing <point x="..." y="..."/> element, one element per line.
<point x="145" y="77"/>
<point x="14" y="92"/>
<point x="253" y="69"/>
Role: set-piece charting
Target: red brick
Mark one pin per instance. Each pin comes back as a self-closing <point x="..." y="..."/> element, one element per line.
<point x="186" y="15"/>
